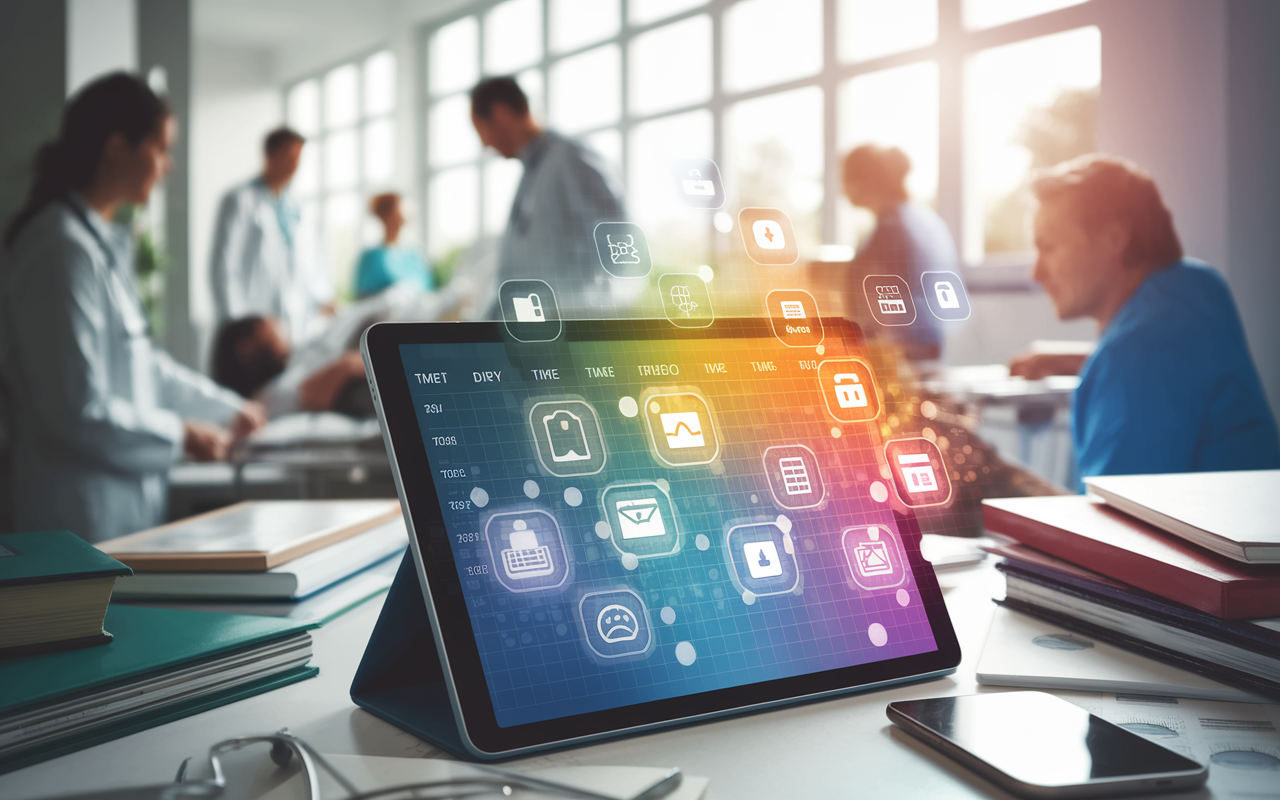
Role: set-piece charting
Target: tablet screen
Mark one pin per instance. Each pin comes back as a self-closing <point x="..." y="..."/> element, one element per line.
<point x="637" y="519"/>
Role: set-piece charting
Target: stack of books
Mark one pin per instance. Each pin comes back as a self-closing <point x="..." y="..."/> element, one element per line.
<point x="1183" y="569"/>
<point x="306" y="560"/>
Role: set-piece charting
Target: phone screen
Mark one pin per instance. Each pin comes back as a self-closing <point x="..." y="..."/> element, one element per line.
<point x="1040" y="739"/>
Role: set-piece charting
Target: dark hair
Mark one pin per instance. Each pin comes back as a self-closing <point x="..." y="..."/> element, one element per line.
<point x="281" y="137"/>
<point x="380" y="205"/>
<point x="498" y="91"/>
<point x="1103" y="188"/>
<point x="240" y="371"/>
<point x="884" y="168"/>
<point x="116" y="103"/>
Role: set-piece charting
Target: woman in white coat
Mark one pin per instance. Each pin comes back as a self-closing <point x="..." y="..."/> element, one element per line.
<point x="98" y="412"/>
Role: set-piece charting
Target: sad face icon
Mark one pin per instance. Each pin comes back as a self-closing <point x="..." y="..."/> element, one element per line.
<point x="617" y="623"/>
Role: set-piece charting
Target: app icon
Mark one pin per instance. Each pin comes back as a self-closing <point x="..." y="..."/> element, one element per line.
<point x="794" y="316"/>
<point x="849" y="390"/>
<point x="680" y="427"/>
<point x="686" y="300"/>
<point x="527" y="550"/>
<point x="889" y="298"/>
<point x="623" y="249"/>
<point x="794" y="476"/>
<point x="762" y="558"/>
<point x="874" y="556"/>
<point x="566" y="433"/>
<point x="946" y="296"/>
<point x="529" y="310"/>
<point x="919" y="474"/>
<point x="698" y="182"/>
<point x="616" y="623"/>
<point x="642" y="519"/>
<point x="767" y="236"/>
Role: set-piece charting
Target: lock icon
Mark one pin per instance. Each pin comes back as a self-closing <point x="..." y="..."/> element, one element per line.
<point x="696" y="185"/>
<point x="850" y="395"/>
<point x="946" y="293"/>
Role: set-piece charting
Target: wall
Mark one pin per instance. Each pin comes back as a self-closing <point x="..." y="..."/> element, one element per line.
<point x="1253" y="207"/>
<point x="102" y="36"/>
<point x="235" y="102"/>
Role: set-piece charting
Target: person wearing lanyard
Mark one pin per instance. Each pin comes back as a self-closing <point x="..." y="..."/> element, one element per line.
<point x="257" y="266"/>
<point x="99" y="413"/>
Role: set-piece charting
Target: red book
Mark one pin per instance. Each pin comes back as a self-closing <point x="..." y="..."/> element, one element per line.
<point x="1088" y="533"/>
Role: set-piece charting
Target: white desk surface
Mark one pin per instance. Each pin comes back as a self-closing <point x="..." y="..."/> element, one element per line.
<point x="844" y="747"/>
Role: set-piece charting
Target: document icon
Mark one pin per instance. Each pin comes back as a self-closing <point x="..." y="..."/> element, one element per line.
<point x="567" y="436"/>
<point x="683" y="429"/>
<point x="528" y="309"/>
<point x="795" y="477"/>
<point x="640" y="519"/>
<point x="793" y="309"/>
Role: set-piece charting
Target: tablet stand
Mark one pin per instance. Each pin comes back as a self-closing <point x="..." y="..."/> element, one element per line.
<point x="400" y="678"/>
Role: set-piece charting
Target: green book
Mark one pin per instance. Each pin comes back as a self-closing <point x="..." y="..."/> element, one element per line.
<point x="54" y="589"/>
<point x="163" y="664"/>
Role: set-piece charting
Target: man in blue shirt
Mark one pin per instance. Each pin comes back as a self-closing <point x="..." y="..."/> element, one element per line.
<point x="1171" y="386"/>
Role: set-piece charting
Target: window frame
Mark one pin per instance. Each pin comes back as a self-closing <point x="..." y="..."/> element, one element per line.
<point x="950" y="51"/>
<point x="363" y="186"/>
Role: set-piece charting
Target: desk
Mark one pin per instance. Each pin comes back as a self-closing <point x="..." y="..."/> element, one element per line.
<point x="844" y="747"/>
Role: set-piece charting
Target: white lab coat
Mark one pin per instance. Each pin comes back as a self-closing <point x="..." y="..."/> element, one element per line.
<point x="97" y="409"/>
<point x="258" y="266"/>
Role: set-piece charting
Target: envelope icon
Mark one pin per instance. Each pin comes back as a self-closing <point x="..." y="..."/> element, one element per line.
<point x="640" y="518"/>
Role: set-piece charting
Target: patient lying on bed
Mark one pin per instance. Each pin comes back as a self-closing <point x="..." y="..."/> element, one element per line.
<point x="254" y="356"/>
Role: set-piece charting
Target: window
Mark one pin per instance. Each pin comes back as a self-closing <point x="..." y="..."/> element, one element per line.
<point x="347" y="114"/>
<point x="975" y="92"/>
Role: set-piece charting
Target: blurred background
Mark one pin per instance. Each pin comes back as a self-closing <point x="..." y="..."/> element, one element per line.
<point x="976" y="92"/>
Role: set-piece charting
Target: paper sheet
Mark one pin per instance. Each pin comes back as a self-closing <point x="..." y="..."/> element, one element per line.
<point x="368" y="772"/>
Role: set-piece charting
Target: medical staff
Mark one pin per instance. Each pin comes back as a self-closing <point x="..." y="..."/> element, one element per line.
<point x="99" y="413"/>
<point x="258" y="266"/>
<point x="562" y="194"/>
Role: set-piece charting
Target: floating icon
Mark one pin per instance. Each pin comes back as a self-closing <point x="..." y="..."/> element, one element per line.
<point x="919" y="473"/>
<point x="615" y="623"/>
<point x="525" y="558"/>
<point x="848" y="389"/>
<point x="623" y="249"/>
<point x="529" y="310"/>
<point x="889" y="298"/>
<point x="686" y="300"/>
<point x="567" y="436"/>
<point x="874" y="556"/>
<point x="641" y="518"/>
<point x="793" y="313"/>
<point x="698" y="182"/>
<point x="945" y="295"/>
<point x="771" y="242"/>
<point x="794" y="476"/>
<point x="566" y="433"/>
<point x="527" y="550"/>
<point x="769" y="234"/>
<point x="762" y="559"/>
<point x="681" y="430"/>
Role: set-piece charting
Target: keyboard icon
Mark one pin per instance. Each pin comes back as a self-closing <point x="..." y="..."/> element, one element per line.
<point x="526" y="558"/>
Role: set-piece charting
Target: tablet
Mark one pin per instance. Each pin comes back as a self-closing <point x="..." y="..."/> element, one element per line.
<point x="637" y="525"/>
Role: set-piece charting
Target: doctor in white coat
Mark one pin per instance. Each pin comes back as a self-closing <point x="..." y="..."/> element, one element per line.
<point x="99" y="412"/>
<point x="258" y="267"/>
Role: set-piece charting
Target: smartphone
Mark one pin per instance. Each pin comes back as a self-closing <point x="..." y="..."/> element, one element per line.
<point x="1036" y="745"/>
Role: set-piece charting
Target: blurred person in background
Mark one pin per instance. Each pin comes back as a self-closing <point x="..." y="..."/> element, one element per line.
<point x="389" y="263"/>
<point x="257" y="267"/>
<point x="1171" y="386"/>
<point x="562" y="194"/>
<point x="100" y="413"/>
<point x="909" y="238"/>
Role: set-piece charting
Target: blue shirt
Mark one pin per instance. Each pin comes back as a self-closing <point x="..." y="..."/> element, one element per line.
<point x="385" y="266"/>
<point x="1171" y="386"/>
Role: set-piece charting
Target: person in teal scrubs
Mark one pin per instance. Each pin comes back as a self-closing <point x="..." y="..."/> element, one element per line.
<point x="1171" y="386"/>
<point x="389" y="264"/>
